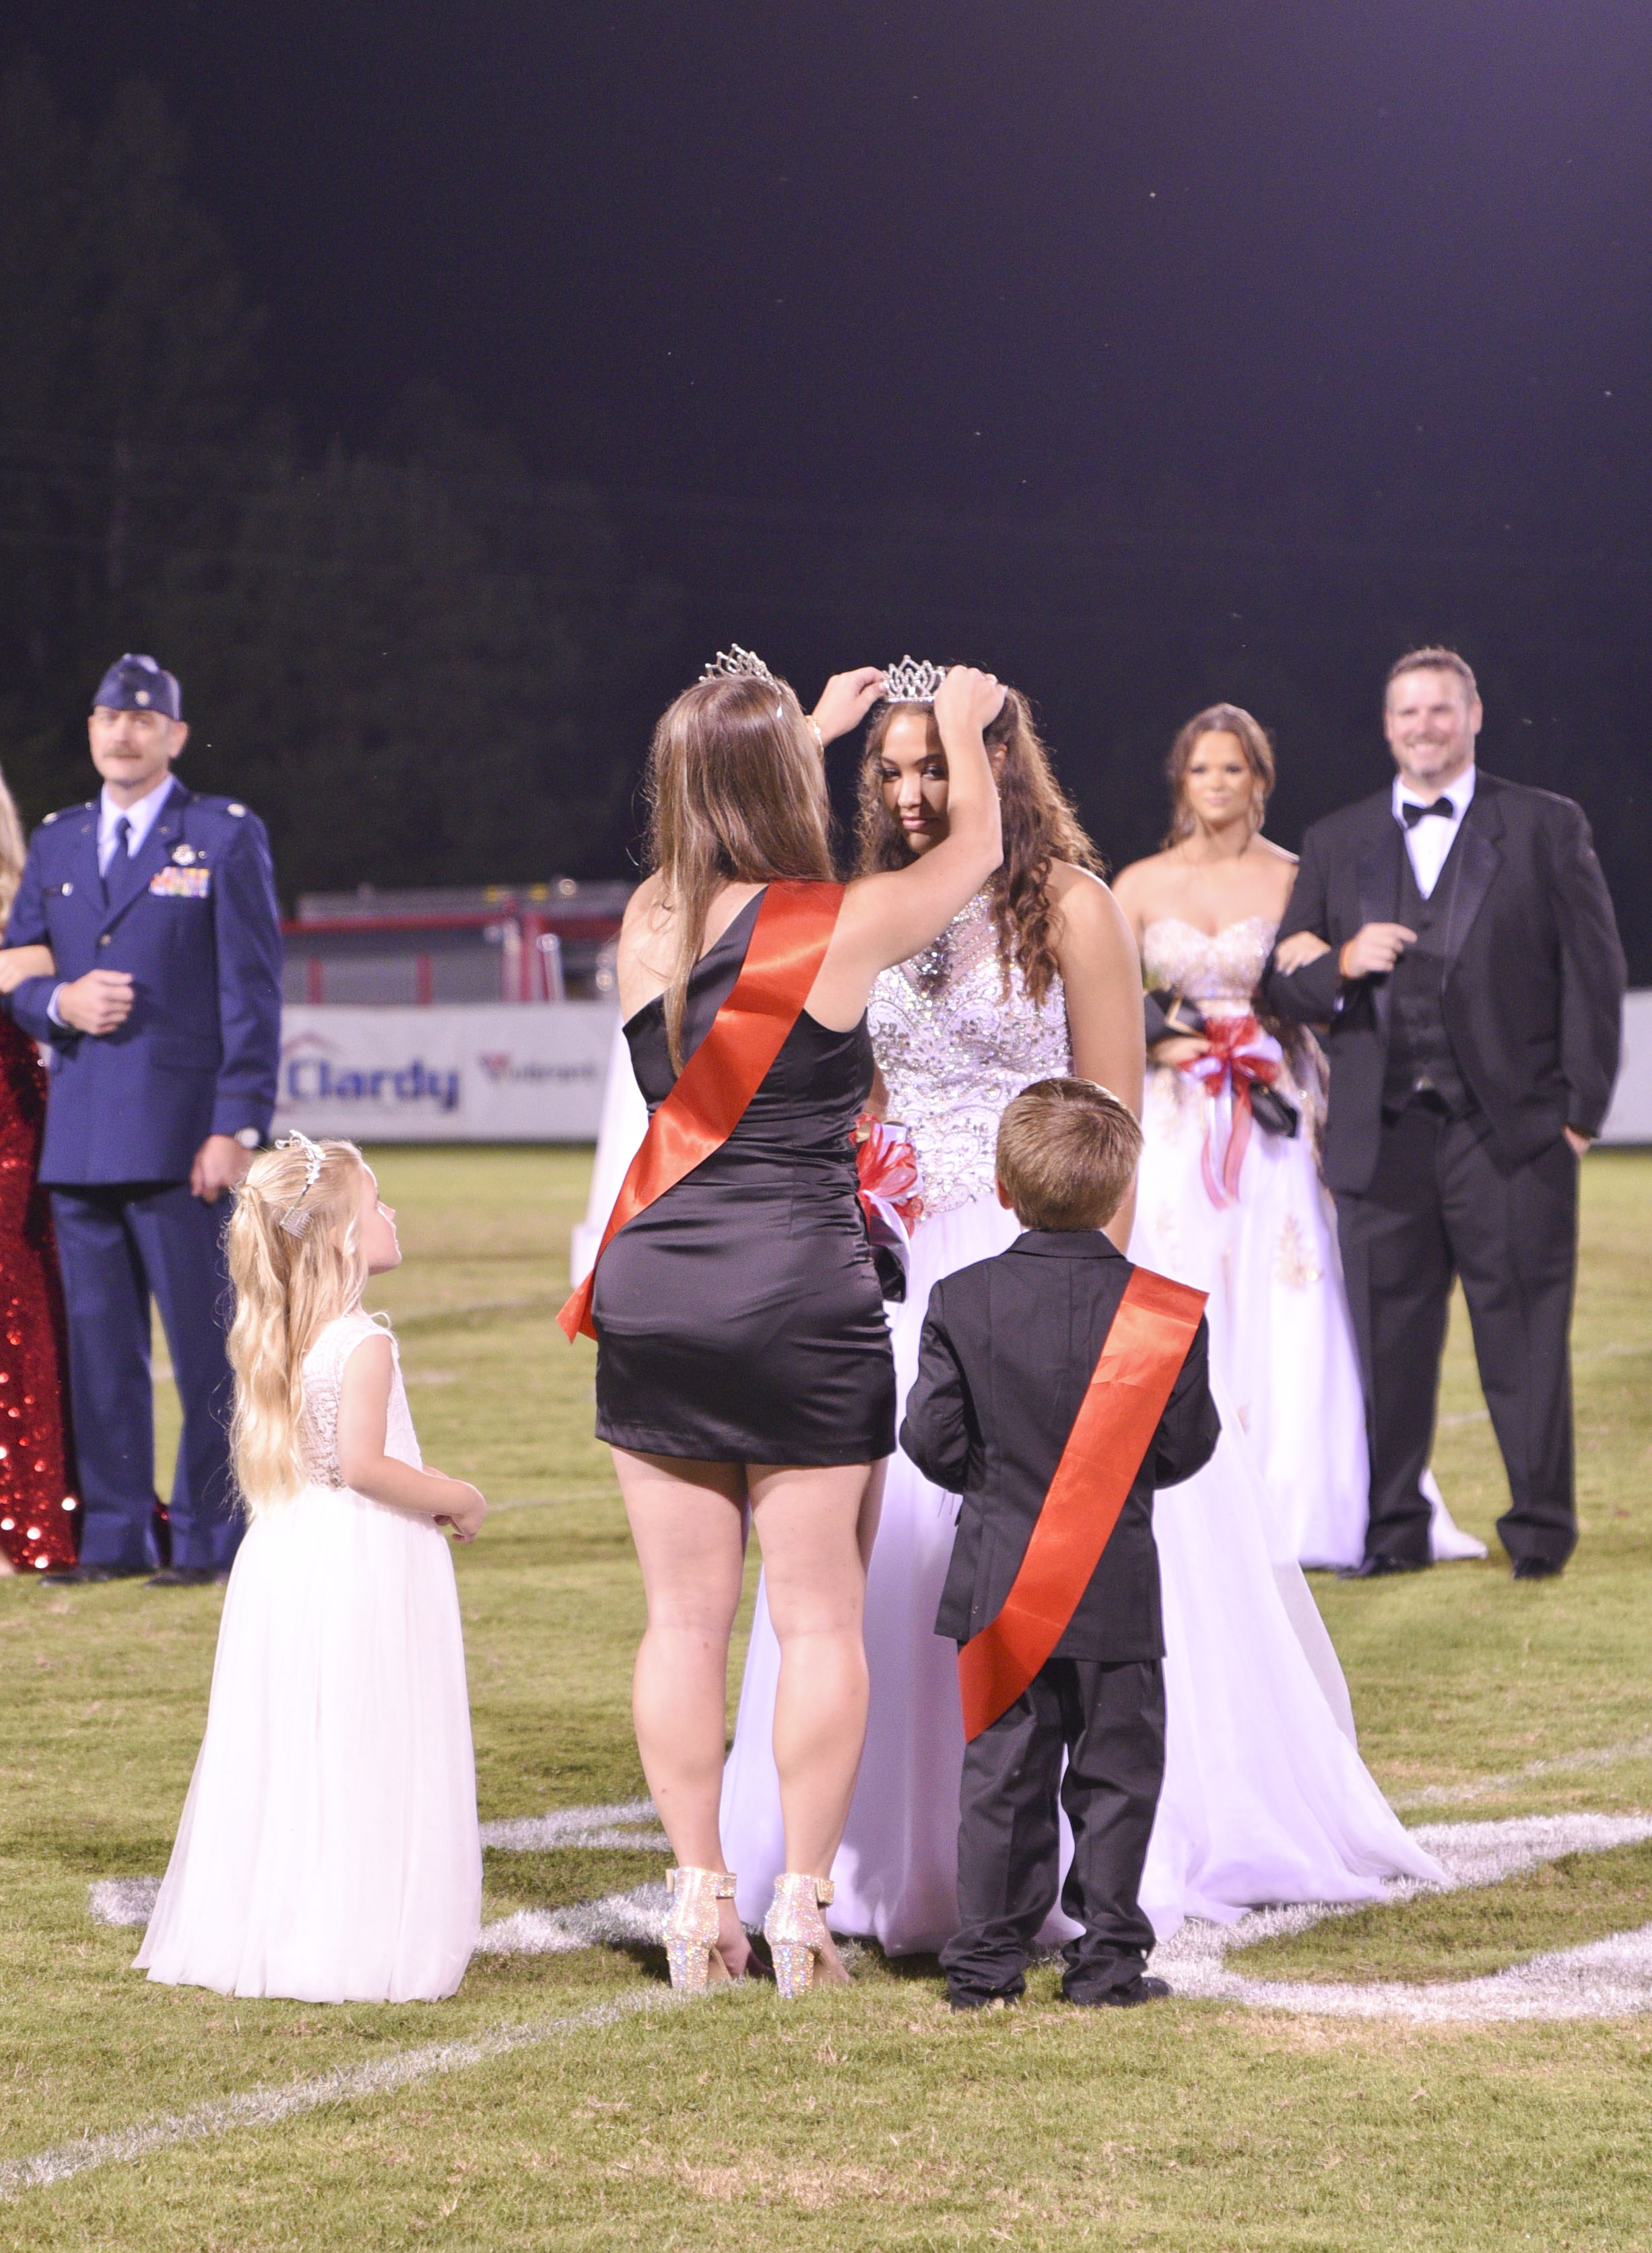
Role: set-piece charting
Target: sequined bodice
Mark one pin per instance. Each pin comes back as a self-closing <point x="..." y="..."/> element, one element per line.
<point x="1223" y="967"/>
<point x="323" y="1381"/>
<point x="954" y="1046"/>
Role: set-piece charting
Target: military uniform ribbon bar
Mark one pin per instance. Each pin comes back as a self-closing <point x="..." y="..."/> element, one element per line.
<point x="1140" y="1364"/>
<point x="788" y="944"/>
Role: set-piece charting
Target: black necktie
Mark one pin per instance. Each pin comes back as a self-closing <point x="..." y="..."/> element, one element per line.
<point x="1411" y="814"/>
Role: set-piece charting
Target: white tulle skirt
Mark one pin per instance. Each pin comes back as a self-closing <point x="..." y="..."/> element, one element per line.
<point x="329" y="1848"/>
<point x="1265" y="1798"/>
<point x="1281" y="1341"/>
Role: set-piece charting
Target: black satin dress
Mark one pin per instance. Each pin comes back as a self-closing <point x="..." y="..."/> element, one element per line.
<point x="739" y="1318"/>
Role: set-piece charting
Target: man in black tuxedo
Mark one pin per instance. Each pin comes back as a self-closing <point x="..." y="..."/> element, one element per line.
<point x="1008" y="1351"/>
<point x="1455" y="933"/>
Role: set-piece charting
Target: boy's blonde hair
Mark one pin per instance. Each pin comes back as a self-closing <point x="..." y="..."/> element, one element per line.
<point x="287" y="1289"/>
<point x="1066" y="1153"/>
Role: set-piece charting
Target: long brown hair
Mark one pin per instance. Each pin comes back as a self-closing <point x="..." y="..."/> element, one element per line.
<point x="1040" y="828"/>
<point x="736" y="790"/>
<point x="13" y="852"/>
<point x="1219" y="720"/>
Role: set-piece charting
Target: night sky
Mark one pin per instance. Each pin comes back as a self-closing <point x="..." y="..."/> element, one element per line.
<point x="1145" y="354"/>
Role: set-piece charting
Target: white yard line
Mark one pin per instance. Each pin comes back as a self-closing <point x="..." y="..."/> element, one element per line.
<point x="1491" y="1787"/>
<point x="264" y="2108"/>
<point x="1605" y="1978"/>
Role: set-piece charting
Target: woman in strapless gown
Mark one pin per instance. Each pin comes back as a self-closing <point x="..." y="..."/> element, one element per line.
<point x="1265" y="1797"/>
<point x="1260" y="1238"/>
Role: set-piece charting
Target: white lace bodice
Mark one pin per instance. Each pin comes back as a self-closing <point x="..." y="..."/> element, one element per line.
<point x="323" y="1379"/>
<point x="1223" y="968"/>
<point x="954" y="1046"/>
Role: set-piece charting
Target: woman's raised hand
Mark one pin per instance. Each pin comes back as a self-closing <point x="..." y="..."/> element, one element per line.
<point x="968" y="698"/>
<point x="846" y="700"/>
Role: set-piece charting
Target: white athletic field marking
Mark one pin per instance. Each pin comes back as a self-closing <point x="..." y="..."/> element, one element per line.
<point x="264" y="2108"/>
<point x="1490" y="1786"/>
<point x="1605" y="1978"/>
<point x="629" y="1824"/>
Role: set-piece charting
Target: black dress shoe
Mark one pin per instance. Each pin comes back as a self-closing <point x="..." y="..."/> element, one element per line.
<point x="1535" y="1568"/>
<point x="988" y="2002"/>
<point x="1143" y="1989"/>
<point x="186" y="1576"/>
<point x="1378" y="1568"/>
<point x="84" y="1576"/>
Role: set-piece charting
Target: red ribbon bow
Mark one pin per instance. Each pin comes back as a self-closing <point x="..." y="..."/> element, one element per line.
<point x="890" y="1186"/>
<point x="1240" y="1055"/>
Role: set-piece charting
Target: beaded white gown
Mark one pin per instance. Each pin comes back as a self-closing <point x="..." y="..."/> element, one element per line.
<point x="1265" y="1797"/>
<point x="1281" y="1341"/>
<point x="329" y="1850"/>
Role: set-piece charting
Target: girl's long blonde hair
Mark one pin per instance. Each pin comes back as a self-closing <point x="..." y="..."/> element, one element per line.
<point x="736" y="795"/>
<point x="13" y="852"/>
<point x="287" y="1289"/>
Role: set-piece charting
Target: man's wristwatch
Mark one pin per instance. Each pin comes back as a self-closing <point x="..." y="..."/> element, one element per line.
<point x="248" y="1136"/>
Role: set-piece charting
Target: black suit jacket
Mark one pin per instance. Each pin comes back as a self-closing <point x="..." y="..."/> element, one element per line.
<point x="1535" y="973"/>
<point x="1008" y="1349"/>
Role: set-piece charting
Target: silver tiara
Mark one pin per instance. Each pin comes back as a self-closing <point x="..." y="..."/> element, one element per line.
<point x="913" y="680"/>
<point x="737" y="664"/>
<point x="295" y="1221"/>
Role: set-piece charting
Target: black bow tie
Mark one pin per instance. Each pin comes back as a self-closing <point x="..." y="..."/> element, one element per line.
<point x="1411" y="814"/>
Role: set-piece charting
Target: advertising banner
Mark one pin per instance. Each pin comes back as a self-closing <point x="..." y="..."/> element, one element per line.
<point x="483" y="1072"/>
<point x="1630" y="1117"/>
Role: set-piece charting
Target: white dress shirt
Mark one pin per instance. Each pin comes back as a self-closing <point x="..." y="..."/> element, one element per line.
<point x="143" y="816"/>
<point x="1430" y="840"/>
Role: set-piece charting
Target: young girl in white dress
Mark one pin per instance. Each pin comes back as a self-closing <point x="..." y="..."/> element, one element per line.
<point x="1222" y="1203"/>
<point x="329" y="1848"/>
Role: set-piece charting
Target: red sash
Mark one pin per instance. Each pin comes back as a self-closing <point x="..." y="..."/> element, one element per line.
<point x="787" y="946"/>
<point x="1140" y="1364"/>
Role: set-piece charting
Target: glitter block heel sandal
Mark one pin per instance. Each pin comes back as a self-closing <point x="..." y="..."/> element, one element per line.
<point x="795" y="1929"/>
<point x="692" y="1926"/>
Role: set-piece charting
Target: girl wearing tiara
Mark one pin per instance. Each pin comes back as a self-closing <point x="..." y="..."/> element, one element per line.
<point x="329" y="1850"/>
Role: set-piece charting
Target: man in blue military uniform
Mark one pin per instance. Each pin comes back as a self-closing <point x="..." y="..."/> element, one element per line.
<point x="164" y="1018"/>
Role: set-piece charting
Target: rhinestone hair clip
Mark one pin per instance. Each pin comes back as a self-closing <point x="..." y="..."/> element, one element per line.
<point x="913" y="680"/>
<point x="737" y="664"/>
<point x="295" y="1221"/>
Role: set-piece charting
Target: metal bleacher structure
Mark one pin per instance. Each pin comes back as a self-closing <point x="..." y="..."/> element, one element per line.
<point x="550" y="942"/>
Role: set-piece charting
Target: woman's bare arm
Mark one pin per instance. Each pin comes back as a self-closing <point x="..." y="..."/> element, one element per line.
<point x="1101" y="972"/>
<point x="887" y="918"/>
<point x="364" y="1416"/>
<point x="17" y="963"/>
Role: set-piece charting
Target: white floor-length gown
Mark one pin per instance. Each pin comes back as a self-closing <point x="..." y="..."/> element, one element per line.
<point x="1281" y="1340"/>
<point x="1265" y="1798"/>
<point x="329" y="1850"/>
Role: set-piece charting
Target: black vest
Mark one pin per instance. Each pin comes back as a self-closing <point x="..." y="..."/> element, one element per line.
<point x="1420" y="1062"/>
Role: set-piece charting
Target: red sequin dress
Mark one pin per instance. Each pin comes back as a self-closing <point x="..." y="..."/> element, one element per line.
<point x="39" y="1514"/>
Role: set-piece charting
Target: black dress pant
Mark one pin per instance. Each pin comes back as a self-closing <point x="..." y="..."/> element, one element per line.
<point x="1109" y="1721"/>
<point x="1444" y="1202"/>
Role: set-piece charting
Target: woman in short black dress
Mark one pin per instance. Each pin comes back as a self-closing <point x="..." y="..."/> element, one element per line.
<point x="742" y="1357"/>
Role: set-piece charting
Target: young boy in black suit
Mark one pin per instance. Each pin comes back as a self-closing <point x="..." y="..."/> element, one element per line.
<point x="1007" y="1367"/>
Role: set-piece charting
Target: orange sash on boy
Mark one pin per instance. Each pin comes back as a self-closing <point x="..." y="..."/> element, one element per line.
<point x="788" y="944"/>
<point x="1140" y="1364"/>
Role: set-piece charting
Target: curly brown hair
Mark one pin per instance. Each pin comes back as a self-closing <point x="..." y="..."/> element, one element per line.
<point x="1040" y="828"/>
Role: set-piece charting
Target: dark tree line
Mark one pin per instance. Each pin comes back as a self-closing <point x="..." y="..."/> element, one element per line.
<point x="422" y="665"/>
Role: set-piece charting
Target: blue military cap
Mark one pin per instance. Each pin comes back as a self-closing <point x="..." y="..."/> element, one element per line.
<point x="137" y="684"/>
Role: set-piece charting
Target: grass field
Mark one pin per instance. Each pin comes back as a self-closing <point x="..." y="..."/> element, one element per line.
<point x="869" y="2118"/>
